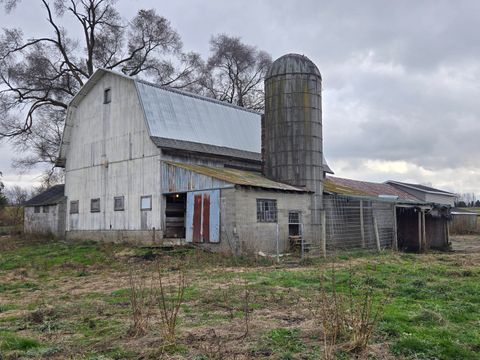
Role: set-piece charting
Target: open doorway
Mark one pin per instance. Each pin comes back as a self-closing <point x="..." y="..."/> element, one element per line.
<point x="175" y="208"/>
<point x="408" y="228"/>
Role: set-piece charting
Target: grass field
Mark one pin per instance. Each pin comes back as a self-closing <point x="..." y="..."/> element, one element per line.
<point x="61" y="301"/>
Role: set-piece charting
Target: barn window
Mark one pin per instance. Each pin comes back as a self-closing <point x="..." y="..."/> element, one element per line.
<point x="146" y="202"/>
<point x="74" y="207"/>
<point x="118" y="203"/>
<point x="46" y="209"/>
<point x="95" y="205"/>
<point x="107" y="96"/>
<point x="36" y="209"/>
<point x="266" y="210"/>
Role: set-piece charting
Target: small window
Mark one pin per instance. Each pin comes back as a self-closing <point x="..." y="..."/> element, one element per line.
<point x="146" y="202"/>
<point x="36" y="209"/>
<point x="46" y="209"/>
<point x="74" y="207"/>
<point x="294" y="217"/>
<point x="95" y="205"/>
<point x="107" y="96"/>
<point x="266" y="210"/>
<point x="118" y="203"/>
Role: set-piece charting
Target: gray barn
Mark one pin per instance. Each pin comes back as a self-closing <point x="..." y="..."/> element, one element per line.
<point x="45" y="213"/>
<point x="145" y="163"/>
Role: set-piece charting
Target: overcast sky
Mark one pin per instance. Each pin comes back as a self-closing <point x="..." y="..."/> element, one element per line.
<point x="401" y="79"/>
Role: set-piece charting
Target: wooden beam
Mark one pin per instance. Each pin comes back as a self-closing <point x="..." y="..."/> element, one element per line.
<point x="395" y="229"/>
<point x="424" y="232"/>
<point x="324" y="234"/>
<point x="377" y="237"/>
<point x="362" y="227"/>
<point x="419" y="231"/>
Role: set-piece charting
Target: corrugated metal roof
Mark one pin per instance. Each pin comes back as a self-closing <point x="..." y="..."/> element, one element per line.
<point x="364" y="188"/>
<point x="419" y="187"/>
<point x="51" y="196"/>
<point x="181" y="116"/>
<point x="237" y="177"/>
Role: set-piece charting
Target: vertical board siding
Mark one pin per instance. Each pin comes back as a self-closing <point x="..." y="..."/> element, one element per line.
<point x="203" y="216"/>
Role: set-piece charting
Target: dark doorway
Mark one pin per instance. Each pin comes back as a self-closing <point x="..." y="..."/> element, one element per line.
<point x="175" y="208"/>
<point x="408" y="229"/>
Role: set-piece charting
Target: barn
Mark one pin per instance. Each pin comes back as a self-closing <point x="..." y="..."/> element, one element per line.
<point x="146" y="163"/>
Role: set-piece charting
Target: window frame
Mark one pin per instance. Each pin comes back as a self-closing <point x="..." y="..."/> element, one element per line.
<point x="92" y="208"/>
<point x="74" y="202"/>
<point x="37" y="209"/>
<point x="141" y="200"/>
<point x="45" y="209"/>
<point x="107" y="95"/>
<point x="264" y="214"/>
<point x="119" y="208"/>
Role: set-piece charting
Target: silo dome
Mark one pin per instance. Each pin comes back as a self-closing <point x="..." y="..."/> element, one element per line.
<point x="292" y="64"/>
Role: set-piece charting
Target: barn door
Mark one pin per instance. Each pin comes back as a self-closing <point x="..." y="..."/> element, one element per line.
<point x="203" y="216"/>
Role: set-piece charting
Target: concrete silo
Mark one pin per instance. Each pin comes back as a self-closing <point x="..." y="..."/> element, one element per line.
<point x="292" y="129"/>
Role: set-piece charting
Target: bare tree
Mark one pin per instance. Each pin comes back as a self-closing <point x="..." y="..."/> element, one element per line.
<point x="3" y="198"/>
<point x="40" y="75"/>
<point x="16" y="195"/>
<point x="235" y="72"/>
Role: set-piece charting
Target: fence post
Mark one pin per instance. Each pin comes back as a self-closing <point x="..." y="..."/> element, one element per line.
<point x="278" y="250"/>
<point x="324" y="234"/>
<point x="377" y="237"/>
<point x="362" y="228"/>
<point x="395" y="229"/>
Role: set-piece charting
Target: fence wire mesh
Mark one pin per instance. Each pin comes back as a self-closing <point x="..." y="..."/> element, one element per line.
<point x="350" y="223"/>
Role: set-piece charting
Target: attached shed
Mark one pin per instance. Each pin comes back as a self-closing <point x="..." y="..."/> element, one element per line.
<point x="425" y="193"/>
<point x="232" y="210"/>
<point x="45" y="213"/>
<point x="368" y="215"/>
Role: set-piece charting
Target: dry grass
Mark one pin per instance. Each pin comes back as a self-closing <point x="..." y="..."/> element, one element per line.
<point x="220" y="310"/>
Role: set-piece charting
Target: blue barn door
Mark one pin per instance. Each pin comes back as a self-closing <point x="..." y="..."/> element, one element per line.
<point x="203" y="216"/>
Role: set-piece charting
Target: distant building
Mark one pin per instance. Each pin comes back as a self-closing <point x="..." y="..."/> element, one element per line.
<point x="426" y="193"/>
<point x="45" y="213"/>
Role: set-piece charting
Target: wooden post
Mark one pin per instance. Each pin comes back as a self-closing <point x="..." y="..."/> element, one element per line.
<point x="324" y="234"/>
<point x="377" y="237"/>
<point x="424" y="232"/>
<point x="362" y="228"/>
<point x="395" y="229"/>
<point x="419" y="231"/>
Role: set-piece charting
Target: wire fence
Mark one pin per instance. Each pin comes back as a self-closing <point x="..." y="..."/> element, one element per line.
<point x="356" y="223"/>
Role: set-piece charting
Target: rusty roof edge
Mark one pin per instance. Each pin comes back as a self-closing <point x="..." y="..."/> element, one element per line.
<point x="205" y="170"/>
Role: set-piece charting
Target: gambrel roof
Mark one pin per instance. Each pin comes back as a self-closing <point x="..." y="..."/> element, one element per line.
<point x="185" y="121"/>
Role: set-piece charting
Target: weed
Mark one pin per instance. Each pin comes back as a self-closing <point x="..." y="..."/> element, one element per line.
<point x="140" y="302"/>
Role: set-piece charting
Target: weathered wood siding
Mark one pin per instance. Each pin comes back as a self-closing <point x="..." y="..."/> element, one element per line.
<point x="111" y="154"/>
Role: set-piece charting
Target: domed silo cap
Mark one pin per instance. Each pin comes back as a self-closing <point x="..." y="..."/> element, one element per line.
<point x="292" y="64"/>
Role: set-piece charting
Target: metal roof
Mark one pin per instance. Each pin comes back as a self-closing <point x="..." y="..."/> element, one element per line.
<point x="364" y="188"/>
<point x="237" y="177"/>
<point x="181" y="116"/>
<point x="51" y="196"/>
<point x="165" y="143"/>
<point x="422" y="188"/>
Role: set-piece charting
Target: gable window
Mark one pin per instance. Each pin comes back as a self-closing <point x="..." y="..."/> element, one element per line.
<point x="95" y="205"/>
<point x="146" y="202"/>
<point x="46" y="208"/>
<point x="74" y="207"/>
<point x="118" y="203"/>
<point x="107" y="96"/>
<point x="266" y="210"/>
<point x="36" y="209"/>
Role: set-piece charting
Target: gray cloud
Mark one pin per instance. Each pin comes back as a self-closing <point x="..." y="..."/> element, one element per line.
<point x="401" y="79"/>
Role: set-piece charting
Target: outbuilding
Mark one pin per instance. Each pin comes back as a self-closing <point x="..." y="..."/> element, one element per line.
<point x="45" y="213"/>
